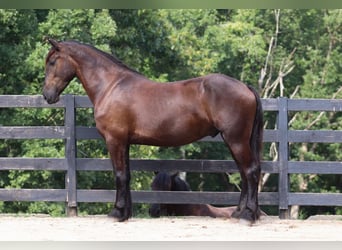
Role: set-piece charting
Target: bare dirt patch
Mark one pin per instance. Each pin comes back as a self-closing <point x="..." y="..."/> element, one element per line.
<point x="102" y="228"/>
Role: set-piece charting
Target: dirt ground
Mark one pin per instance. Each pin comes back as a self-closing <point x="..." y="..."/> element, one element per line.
<point x="102" y="228"/>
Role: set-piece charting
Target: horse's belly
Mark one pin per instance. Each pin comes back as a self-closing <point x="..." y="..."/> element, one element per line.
<point x="173" y="133"/>
<point x="166" y="141"/>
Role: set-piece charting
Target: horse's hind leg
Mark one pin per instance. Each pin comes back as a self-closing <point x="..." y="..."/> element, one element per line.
<point x="249" y="168"/>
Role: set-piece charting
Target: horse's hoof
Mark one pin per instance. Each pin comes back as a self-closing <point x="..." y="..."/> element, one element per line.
<point x="118" y="216"/>
<point x="122" y="219"/>
<point x="245" y="217"/>
<point x="249" y="217"/>
<point x="118" y="219"/>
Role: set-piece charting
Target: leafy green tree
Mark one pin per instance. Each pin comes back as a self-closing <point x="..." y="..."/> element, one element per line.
<point x="90" y="26"/>
<point x="16" y="41"/>
<point x="293" y="53"/>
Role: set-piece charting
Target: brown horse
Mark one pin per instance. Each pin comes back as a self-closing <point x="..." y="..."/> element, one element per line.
<point x="131" y="109"/>
<point x="167" y="182"/>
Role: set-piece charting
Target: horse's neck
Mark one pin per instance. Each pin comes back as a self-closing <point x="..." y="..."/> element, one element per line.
<point x="96" y="75"/>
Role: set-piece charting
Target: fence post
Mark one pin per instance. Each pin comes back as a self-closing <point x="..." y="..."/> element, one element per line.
<point x="70" y="155"/>
<point x="283" y="159"/>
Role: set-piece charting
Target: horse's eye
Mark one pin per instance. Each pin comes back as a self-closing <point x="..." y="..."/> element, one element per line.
<point x="52" y="61"/>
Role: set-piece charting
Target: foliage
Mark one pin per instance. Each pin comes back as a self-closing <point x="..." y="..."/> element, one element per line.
<point x="168" y="45"/>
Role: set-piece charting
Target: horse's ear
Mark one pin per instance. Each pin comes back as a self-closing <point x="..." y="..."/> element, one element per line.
<point x="54" y="43"/>
<point x="174" y="175"/>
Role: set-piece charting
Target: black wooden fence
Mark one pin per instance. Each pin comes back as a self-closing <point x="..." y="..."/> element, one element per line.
<point x="282" y="135"/>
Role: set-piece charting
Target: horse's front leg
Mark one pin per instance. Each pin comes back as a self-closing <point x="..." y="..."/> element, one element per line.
<point x="119" y="155"/>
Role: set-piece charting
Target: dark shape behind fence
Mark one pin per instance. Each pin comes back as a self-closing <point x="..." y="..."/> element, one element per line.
<point x="172" y="182"/>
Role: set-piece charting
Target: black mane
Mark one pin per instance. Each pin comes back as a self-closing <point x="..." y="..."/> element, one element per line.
<point x="179" y="184"/>
<point x="167" y="182"/>
<point x="112" y="58"/>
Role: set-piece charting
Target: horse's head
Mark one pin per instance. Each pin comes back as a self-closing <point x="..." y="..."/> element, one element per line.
<point x="60" y="69"/>
<point x="166" y="182"/>
<point x="161" y="182"/>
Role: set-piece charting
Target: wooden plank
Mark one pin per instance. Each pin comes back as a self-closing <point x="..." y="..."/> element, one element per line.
<point x="57" y="164"/>
<point x="87" y="133"/>
<point x="315" y="105"/>
<point x="186" y="197"/>
<point x="206" y="166"/>
<point x="270" y="104"/>
<point x="216" y="138"/>
<point x="231" y="198"/>
<point x="315" y="167"/>
<point x="90" y="133"/>
<point x="37" y="132"/>
<point x="283" y="178"/>
<point x="175" y="197"/>
<point x="201" y="166"/>
<point x="83" y="102"/>
<point x="27" y="101"/>
<point x="315" y="199"/>
<point x="271" y="135"/>
<point x="54" y="195"/>
<point x="271" y="167"/>
<point x="70" y="155"/>
<point x="323" y="136"/>
<point x="194" y="197"/>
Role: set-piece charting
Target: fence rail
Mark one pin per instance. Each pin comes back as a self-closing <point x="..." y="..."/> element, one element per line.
<point x="70" y="132"/>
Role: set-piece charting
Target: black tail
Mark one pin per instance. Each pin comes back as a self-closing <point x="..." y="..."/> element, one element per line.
<point x="258" y="130"/>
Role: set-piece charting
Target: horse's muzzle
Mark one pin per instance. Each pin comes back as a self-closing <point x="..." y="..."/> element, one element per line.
<point x="50" y="98"/>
